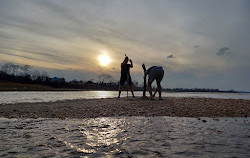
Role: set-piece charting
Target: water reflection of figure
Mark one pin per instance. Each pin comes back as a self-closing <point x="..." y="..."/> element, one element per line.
<point x="125" y="75"/>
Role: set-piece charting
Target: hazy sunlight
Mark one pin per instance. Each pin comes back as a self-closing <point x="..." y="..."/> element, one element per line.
<point x="104" y="60"/>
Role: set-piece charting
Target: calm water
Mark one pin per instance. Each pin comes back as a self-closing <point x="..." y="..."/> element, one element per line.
<point x="18" y="97"/>
<point x="125" y="137"/>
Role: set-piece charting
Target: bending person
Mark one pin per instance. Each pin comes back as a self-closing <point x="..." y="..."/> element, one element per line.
<point x="154" y="73"/>
<point x="125" y="75"/>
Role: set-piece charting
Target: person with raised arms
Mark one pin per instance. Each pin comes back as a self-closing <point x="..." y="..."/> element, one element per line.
<point x="125" y="75"/>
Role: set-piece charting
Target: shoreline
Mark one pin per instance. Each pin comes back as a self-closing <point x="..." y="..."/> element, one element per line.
<point x="113" y="107"/>
<point x="65" y="90"/>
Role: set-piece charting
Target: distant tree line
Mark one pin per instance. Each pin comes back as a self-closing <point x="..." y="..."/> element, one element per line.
<point x="23" y="74"/>
<point x="196" y="90"/>
<point x="27" y="75"/>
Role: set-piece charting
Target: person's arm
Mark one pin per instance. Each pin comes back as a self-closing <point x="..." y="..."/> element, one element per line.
<point x="131" y="65"/>
<point x="123" y="63"/>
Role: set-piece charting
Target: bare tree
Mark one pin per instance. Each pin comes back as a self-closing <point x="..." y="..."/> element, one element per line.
<point x="105" y="78"/>
<point x="26" y="69"/>
<point x="44" y="76"/>
<point x="5" y="68"/>
<point x="10" y="68"/>
<point x="35" y="75"/>
<point x="14" y="69"/>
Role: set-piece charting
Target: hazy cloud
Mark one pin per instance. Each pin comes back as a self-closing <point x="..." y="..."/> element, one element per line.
<point x="171" y="56"/>
<point x="223" y="51"/>
<point x="16" y="55"/>
<point x="100" y="68"/>
<point x="72" y="34"/>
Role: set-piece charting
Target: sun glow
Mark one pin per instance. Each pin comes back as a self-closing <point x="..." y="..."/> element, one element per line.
<point x="104" y="60"/>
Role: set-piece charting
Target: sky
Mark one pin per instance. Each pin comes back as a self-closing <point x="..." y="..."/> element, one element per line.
<point x="199" y="43"/>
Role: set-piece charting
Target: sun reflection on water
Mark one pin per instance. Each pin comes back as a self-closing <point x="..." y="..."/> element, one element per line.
<point x="102" y="94"/>
<point x="79" y="149"/>
<point x="98" y="133"/>
<point x="104" y="133"/>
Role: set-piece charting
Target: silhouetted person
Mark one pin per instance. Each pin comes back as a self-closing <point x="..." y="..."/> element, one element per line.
<point x="154" y="73"/>
<point x="125" y="75"/>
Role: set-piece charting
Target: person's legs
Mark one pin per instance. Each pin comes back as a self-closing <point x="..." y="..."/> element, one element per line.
<point x="130" y="84"/>
<point x="150" y="88"/>
<point x="159" y="89"/>
<point x="155" y="91"/>
<point x="160" y="74"/>
<point x="131" y="89"/>
<point x="122" y="82"/>
<point x="151" y="78"/>
<point x="120" y="90"/>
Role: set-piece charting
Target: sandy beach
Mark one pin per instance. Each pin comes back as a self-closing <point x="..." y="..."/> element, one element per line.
<point x="113" y="107"/>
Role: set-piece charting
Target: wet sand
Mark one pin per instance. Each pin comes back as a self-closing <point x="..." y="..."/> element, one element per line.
<point x="113" y="107"/>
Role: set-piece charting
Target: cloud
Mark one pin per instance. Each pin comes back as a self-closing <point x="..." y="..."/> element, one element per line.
<point x="16" y="55"/>
<point x="100" y="68"/>
<point x="171" y="56"/>
<point x="69" y="34"/>
<point x="49" y="55"/>
<point x="223" y="51"/>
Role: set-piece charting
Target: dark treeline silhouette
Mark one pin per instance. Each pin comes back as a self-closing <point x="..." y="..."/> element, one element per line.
<point x="196" y="90"/>
<point x="25" y="74"/>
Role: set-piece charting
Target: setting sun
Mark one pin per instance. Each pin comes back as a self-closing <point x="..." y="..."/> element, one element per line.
<point x="104" y="60"/>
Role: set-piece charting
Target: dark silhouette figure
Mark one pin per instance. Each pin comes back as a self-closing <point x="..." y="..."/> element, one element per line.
<point x="154" y="73"/>
<point x="125" y="75"/>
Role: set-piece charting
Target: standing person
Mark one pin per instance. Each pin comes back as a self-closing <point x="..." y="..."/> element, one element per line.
<point x="154" y="73"/>
<point x="125" y="75"/>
